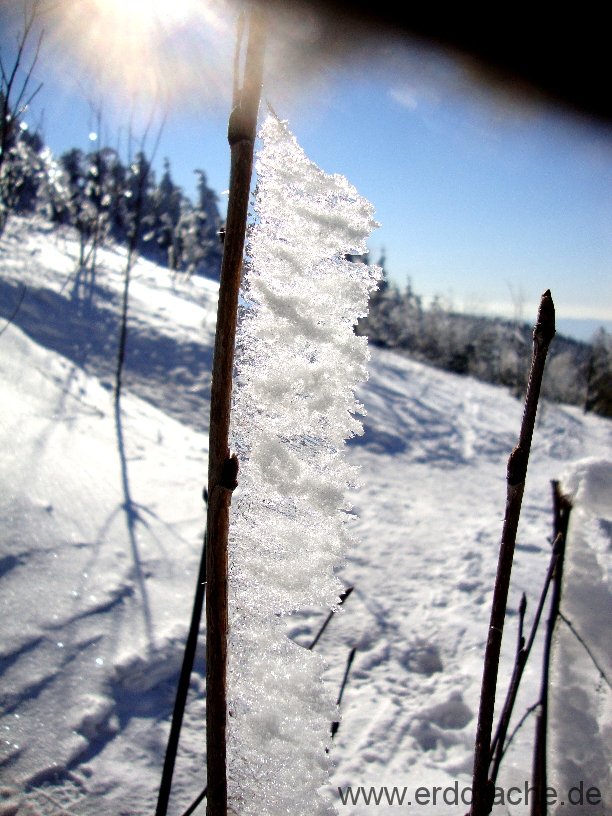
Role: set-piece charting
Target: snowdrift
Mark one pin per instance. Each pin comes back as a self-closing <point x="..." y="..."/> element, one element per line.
<point x="101" y="522"/>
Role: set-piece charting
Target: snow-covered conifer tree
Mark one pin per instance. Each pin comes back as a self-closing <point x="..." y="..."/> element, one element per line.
<point x="298" y="363"/>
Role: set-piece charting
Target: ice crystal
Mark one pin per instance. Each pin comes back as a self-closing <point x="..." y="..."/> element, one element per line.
<point x="298" y="363"/>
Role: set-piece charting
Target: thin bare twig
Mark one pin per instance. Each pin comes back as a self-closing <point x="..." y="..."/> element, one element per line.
<point x="585" y="646"/>
<point x="562" y="510"/>
<point x="343" y="598"/>
<point x="520" y="723"/>
<point x="133" y="235"/>
<point x="192" y="807"/>
<point x="336" y="723"/>
<point x="543" y="333"/>
<point x="498" y="746"/>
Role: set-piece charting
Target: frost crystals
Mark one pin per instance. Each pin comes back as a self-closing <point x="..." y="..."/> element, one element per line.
<point x="298" y="363"/>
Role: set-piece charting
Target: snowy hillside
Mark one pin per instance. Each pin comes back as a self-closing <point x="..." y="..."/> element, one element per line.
<point x="101" y="523"/>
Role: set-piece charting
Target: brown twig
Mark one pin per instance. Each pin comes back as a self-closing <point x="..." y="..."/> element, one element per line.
<point x="135" y="225"/>
<point x="562" y="509"/>
<point x="349" y="662"/>
<point x="343" y="596"/>
<point x="499" y="745"/>
<point x="585" y="646"/>
<point x="527" y="713"/>
<point x="543" y="333"/>
<point x="223" y="466"/>
<point x="194" y="805"/>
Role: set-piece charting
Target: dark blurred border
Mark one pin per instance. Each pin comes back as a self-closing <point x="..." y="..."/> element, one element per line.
<point x="560" y="53"/>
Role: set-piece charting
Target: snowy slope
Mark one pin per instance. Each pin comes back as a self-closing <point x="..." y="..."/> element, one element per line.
<point x="102" y="520"/>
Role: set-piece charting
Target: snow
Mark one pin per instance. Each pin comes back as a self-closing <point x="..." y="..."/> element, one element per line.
<point x="298" y="364"/>
<point x="94" y="610"/>
<point x="581" y="701"/>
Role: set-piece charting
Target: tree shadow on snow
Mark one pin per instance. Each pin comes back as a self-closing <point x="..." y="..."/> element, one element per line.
<point x="132" y="517"/>
<point x="170" y="373"/>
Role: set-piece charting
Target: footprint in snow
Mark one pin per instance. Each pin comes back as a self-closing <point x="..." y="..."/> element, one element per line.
<point x="422" y="658"/>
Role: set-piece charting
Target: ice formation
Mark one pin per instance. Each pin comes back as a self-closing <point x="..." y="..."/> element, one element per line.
<point x="581" y="700"/>
<point x="298" y="363"/>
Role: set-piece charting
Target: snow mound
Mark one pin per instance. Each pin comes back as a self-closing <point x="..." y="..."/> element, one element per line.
<point x="581" y="704"/>
<point x="92" y="618"/>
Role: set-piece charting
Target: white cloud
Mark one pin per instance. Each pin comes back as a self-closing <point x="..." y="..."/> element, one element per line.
<point x="405" y="96"/>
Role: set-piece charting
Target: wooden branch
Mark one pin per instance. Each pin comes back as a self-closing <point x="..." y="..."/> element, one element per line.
<point x="586" y="648"/>
<point x="144" y="173"/>
<point x="527" y="713"/>
<point x="499" y="745"/>
<point x="349" y="662"/>
<point x="543" y="333"/>
<point x="343" y="596"/>
<point x="562" y="510"/>
<point x="222" y="466"/>
<point x="182" y="691"/>
<point x="194" y="805"/>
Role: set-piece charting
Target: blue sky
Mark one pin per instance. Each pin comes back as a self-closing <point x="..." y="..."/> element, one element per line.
<point x="486" y="200"/>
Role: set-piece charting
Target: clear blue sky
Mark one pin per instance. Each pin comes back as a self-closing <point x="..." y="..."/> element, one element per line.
<point x="486" y="200"/>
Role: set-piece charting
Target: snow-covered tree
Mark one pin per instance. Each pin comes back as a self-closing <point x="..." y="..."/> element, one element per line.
<point x="167" y="201"/>
<point x="197" y="244"/>
<point x="599" y="377"/>
<point x="16" y="151"/>
<point x="298" y="362"/>
<point x="21" y="172"/>
<point x="190" y="247"/>
<point x="81" y="201"/>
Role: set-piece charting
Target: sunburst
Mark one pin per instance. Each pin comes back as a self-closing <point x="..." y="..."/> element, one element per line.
<point x="153" y="50"/>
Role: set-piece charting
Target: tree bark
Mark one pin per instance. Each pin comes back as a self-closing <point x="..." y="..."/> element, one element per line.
<point x="223" y="466"/>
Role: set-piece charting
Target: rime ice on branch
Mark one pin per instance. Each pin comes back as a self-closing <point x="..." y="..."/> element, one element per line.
<point x="298" y="363"/>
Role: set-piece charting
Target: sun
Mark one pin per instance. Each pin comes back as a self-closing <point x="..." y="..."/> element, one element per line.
<point x="151" y="12"/>
<point x="158" y="50"/>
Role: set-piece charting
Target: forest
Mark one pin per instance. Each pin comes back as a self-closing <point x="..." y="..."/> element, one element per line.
<point x="106" y="198"/>
<point x="105" y="506"/>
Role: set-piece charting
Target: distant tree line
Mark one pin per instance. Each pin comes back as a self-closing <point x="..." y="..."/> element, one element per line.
<point x="494" y="350"/>
<point x="97" y="192"/>
<point x="105" y="197"/>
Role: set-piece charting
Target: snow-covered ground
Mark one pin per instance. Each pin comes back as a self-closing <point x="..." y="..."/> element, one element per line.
<point x="101" y="523"/>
